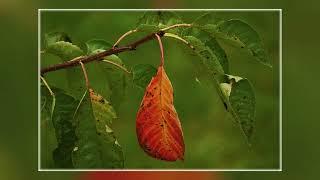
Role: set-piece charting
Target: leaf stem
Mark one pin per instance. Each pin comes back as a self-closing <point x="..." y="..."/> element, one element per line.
<point x="47" y="85"/>
<point x="85" y="75"/>
<point x="178" y="38"/>
<point x="53" y="104"/>
<point x="161" y="49"/>
<point x="175" y="26"/>
<point x="123" y="36"/>
<point x="117" y="65"/>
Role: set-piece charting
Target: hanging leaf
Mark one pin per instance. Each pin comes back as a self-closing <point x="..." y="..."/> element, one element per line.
<point x="62" y="119"/>
<point x="245" y="36"/>
<point x="48" y="139"/>
<point x="209" y="41"/>
<point x="117" y="79"/>
<point x="158" y="126"/>
<point x="142" y="74"/>
<point x="113" y="71"/>
<point x="156" y="20"/>
<point x="209" y="59"/>
<point x="96" y="146"/>
<point x="104" y="115"/>
<point x="59" y="44"/>
<point x="240" y="101"/>
<point x="207" y="22"/>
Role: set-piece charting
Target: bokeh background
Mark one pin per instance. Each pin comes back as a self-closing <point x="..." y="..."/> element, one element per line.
<point x="212" y="139"/>
<point x="18" y="74"/>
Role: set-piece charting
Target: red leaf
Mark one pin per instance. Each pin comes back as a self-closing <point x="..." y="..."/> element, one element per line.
<point x="158" y="127"/>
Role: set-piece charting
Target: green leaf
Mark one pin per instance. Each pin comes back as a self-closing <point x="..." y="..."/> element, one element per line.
<point x="239" y="99"/>
<point x="210" y="41"/>
<point x="96" y="146"/>
<point x="117" y="79"/>
<point x="111" y="74"/>
<point x="97" y="45"/>
<point x="159" y="19"/>
<point x="241" y="33"/>
<point x="67" y="51"/>
<point x="54" y="37"/>
<point x="48" y="139"/>
<point x="207" y="22"/>
<point x="209" y="59"/>
<point x="104" y="115"/>
<point x="142" y="74"/>
<point x="62" y="119"/>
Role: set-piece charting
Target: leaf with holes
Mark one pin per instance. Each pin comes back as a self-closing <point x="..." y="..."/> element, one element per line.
<point x="156" y="20"/>
<point x="241" y="33"/>
<point x="239" y="98"/>
<point x="209" y="41"/>
<point x="111" y="70"/>
<point x="96" y="146"/>
<point x="209" y="59"/>
<point x="158" y="126"/>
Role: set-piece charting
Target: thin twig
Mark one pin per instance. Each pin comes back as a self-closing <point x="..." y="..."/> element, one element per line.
<point x="85" y="75"/>
<point x="123" y="36"/>
<point x="117" y="65"/>
<point x="161" y="50"/>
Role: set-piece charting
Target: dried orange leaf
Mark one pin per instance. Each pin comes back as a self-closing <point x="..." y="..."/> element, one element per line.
<point x="158" y="127"/>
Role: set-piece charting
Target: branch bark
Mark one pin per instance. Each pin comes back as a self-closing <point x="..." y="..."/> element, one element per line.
<point x="99" y="56"/>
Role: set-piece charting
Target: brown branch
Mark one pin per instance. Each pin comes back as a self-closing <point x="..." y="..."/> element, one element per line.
<point x="99" y="56"/>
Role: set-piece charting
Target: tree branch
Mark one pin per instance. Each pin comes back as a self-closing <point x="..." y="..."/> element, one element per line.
<point x="99" y="56"/>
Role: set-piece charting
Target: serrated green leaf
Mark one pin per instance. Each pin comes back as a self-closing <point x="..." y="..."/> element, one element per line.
<point x="87" y="150"/>
<point x="142" y="74"/>
<point x="240" y="101"/>
<point x="209" y="40"/>
<point x="104" y="115"/>
<point x="62" y="119"/>
<point x="97" y="45"/>
<point x="160" y="19"/>
<point x="48" y="139"/>
<point x="241" y="33"/>
<point x="209" y="59"/>
<point x="96" y="147"/>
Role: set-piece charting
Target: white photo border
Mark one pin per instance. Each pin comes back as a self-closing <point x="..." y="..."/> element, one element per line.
<point x="146" y="170"/>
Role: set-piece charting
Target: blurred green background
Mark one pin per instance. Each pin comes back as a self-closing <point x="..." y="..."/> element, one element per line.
<point x="212" y="140"/>
<point x="18" y="149"/>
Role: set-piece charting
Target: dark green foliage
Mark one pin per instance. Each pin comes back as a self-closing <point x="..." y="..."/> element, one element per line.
<point x="142" y="74"/>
